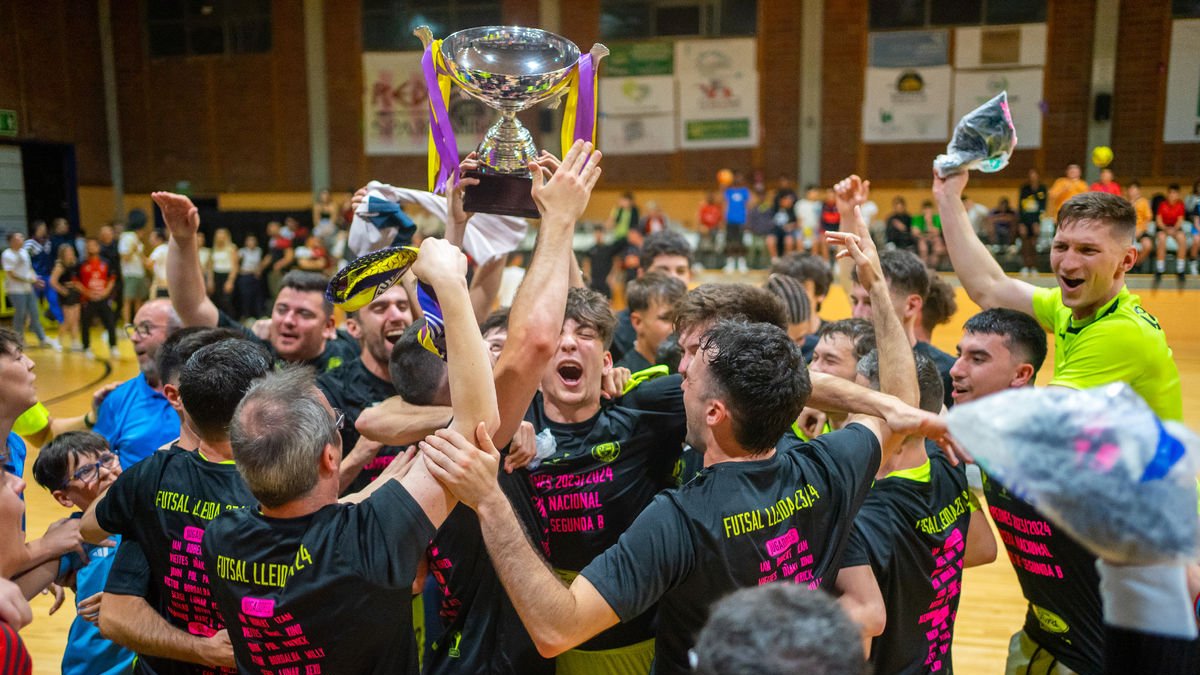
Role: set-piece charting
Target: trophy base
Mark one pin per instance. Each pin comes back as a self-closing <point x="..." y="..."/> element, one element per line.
<point x="500" y="194"/>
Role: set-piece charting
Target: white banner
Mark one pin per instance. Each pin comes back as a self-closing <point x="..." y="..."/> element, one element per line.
<point x="973" y="88"/>
<point x="903" y="105"/>
<point x="1182" y="123"/>
<point x="637" y="95"/>
<point x="637" y="134"/>
<point x="718" y="93"/>
<point x="395" y="108"/>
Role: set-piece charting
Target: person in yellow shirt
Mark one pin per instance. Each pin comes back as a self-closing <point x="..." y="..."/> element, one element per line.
<point x="1066" y="187"/>
<point x="1143" y="239"/>
<point x="1101" y="332"/>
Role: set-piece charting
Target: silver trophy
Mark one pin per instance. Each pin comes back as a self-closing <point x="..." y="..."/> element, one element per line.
<point x="511" y="69"/>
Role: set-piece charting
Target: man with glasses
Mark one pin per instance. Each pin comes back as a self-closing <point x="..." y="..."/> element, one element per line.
<point x="135" y="417"/>
<point x="76" y="467"/>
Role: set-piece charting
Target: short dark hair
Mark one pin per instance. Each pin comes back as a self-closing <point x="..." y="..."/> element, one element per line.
<point x="591" y="309"/>
<point x="1173" y="186"/>
<point x="418" y="374"/>
<point x="278" y="432"/>
<point x="497" y="320"/>
<point x="215" y="378"/>
<point x="940" y="303"/>
<point x="905" y="273"/>
<point x="779" y="629"/>
<point x="654" y="287"/>
<point x="860" y="332"/>
<point x="759" y="373"/>
<point x="180" y="345"/>
<point x="53" y="460"/>
<point x="806" y="267"/>
<point x="664" y="242"/>
<point x="308" y="282"/>
<point x="791" y="294"/>
<point x="713" y="302"/>
<point x="1022" y="334"/>
<point x="1116" y="211"/>
<point x="929" y="380"/>
<point x="10" y="341"/>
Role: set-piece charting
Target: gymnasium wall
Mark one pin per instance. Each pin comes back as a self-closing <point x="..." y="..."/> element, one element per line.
<point x="238" y="126"/>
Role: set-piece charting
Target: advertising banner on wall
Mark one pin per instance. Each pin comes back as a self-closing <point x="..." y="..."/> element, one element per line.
<point x="973" y="88"/>
<point x="637" y="114"/>
<point x="395" y="108"/>
<point x="718" y="93"/>
<point x="904" y="105"/>
<point x="1182" y="123"/>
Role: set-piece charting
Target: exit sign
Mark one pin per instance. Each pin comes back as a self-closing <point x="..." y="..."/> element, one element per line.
<point x="8" y="122"/>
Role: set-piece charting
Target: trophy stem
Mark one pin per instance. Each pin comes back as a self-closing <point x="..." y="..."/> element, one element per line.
<point x="508" y="146"/>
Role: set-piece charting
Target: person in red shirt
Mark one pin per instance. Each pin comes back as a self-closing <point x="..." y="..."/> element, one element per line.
<point x="98" y="281"/>
<point x="1170" y="220"/>
<point x="709" y="217"/>
<point x="1106" y="183"/>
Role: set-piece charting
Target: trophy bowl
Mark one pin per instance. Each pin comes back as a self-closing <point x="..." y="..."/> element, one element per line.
<point x="509" y="68"/>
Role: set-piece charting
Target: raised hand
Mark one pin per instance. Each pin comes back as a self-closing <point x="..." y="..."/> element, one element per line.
<point x="565" y="193"/>
<point x="951" y="186"/>
<point x="613" y="383"/>
<point x="522" y="449"/>
<point x="182" y="217"/>
<point x="467" y="470"/>
<point x="850" y="192"/>
<point x="439" y="261"/>
<point x="861" y="249"/>
<point x="454" y="197"/>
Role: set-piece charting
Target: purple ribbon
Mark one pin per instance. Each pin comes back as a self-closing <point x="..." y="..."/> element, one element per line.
<point x="585" y="109"/>
<point x="439" y="124"/>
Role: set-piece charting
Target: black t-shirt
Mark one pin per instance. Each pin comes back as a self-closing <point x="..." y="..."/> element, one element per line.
<point x="352" y="388"/>
<point x="944" y="363"/>
<point x="737" y="525"/>
<point x="623" y="336"/>
<point x="294" y="588"/>
<point x="912" y="530"/>
<point x="634" y="361"/>
<point x="1058" y="577"/>
<point x="129" y="573"/>
<point x="1032" y="202"/>
<point x="164" y="503"/>
<point x="603" y="472"/>
<point x="341" y="349"/>
<point x="480" y="631"/>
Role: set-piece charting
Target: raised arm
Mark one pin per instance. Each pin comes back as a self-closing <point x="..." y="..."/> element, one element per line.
<point x="981" y="275"/>
<point x="472" y="393"/>
<point x="395" y="421"/>
<point x="185" y="277"/>
<point x="537" y="312"/>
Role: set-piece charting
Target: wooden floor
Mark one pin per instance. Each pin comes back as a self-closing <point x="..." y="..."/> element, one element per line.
<point x="991" y="608"/>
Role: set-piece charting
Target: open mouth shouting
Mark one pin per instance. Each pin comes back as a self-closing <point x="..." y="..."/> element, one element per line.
<point x="1070" y="283"/>
<point x="570" y="373"/>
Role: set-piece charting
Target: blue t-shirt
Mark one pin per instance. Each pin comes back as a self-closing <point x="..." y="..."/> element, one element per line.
<point x="15" y="462"/>
<point x="136" y="420"/>
<point x="88" y="652"/>
<point x="736" y="199"/>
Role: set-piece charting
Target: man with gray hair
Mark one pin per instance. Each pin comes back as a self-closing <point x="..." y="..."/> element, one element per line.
<point x="292" y="574"/>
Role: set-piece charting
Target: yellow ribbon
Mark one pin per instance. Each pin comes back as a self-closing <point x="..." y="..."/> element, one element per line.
<point x="568" y="125"/>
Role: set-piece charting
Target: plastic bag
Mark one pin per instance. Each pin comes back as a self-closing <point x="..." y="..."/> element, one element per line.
<point x="983" y="139"/>
<point x="1098" y="462"/>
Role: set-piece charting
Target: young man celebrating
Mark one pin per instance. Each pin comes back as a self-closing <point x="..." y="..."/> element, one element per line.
<point x="365" y="381"/>
<point x="301" y="318"/>
<point x="285" y="440"/>
<point x="76" y="467"/>
<point x="1101" y="332"/>
<point x="1003" y="349"/>
<point x="751" y="516"/>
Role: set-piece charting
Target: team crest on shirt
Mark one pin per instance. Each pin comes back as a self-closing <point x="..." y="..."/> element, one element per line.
<point x="606" y="452"/>
<point x="1049" y="621"/>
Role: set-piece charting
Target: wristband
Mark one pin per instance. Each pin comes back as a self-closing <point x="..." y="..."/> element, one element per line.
<point x="87" y="421"/>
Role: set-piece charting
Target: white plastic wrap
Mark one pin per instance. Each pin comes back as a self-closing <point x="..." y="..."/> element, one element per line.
<point x="984" y="139"/>
<point x="1097" y="462"/>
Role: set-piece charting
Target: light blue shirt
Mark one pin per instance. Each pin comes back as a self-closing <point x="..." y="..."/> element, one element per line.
<point x="136" y="420"/>
<point x="88" y="652"/>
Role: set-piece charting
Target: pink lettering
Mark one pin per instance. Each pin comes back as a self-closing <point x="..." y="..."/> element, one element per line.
<point x="260" y="607"/>
<point x="777" y="546"/>
<point x="193" y="534"/>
